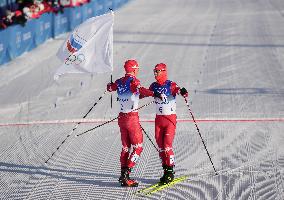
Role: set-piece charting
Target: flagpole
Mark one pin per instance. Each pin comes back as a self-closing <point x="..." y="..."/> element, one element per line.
<point x="111" y="93"/>
<point x="111" y="73"/>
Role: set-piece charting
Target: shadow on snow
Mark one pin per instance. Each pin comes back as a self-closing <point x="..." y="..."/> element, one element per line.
<point x="244" y="91"/>
<point x="84" y="177"/>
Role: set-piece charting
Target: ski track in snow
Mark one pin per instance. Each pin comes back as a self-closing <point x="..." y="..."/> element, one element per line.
<point x="229" y="54"/>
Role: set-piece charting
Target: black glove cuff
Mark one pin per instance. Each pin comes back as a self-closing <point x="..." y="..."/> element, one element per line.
<point x="183" y="91"/>
<point x="157" y="94"/>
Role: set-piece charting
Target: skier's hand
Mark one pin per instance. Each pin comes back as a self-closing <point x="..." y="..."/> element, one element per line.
<point x="109" y="87"/>
<point x="162" y="96"/>
<point x="183" y="92"/>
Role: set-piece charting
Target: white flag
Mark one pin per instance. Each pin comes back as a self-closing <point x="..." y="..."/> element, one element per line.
<point x="89" y="48"/>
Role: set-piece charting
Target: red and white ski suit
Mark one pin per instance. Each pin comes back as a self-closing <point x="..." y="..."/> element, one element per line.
<point x="128" y="91"/>
<point x="165" y="121"/>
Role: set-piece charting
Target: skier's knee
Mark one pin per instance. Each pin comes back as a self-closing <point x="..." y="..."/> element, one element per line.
<point x="137" y="148"/>
<point x="134" y="157"/>
<point x="168" y="151"/>
<point x="125" y="149"/>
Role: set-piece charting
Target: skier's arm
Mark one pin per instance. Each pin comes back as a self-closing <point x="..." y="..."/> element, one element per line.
<point x="144" y="92"/>
<point x="175" y="89"/>
<point x="162" y="96"/>
<point x="135" y="83"/>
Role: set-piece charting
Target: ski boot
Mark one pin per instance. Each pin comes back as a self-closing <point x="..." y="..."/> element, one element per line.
<point x="125" y="180"/>
<point x="168" y="175"/>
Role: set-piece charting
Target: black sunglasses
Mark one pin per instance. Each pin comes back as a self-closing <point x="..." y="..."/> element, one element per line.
<point x="158" y="70"/>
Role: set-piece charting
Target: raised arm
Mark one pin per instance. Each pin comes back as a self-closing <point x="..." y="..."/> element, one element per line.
<point x="175" y="89"/>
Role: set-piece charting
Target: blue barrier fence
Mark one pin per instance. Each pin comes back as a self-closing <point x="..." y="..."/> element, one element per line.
<point x="15" y="40"/>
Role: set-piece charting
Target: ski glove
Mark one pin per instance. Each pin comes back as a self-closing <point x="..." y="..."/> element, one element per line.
<point x="183" y="92"/>
<point x="162" y="96"/>
<point x="110" y="87"/>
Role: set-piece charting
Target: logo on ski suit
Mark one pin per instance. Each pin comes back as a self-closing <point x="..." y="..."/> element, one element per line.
<point x="128" y="100"/>
<point x="167" y="107"/>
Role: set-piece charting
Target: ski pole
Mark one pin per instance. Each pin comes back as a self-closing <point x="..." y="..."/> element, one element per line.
<point x="112" y="120"/>
<point x="75" y="127"/>
<point x="149" y="138"/>
<point x="111" y="93"/>
<point x="216" y="173"/>
<point x="98" y="126"/>
<point x="94" y="105"/>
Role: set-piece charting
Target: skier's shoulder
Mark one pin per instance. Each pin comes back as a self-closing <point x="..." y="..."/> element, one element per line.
<point x="120" y="80"/>
<point x="152" y="85"/>
<point x="134" y="80"/>
<point x="170" y="82"/>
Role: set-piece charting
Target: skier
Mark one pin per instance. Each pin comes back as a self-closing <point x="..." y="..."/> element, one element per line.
<point x="129" y="89"/>
<point x="165" y="121"/>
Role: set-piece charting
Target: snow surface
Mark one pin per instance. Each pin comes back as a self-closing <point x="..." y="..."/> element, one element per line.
<point x="230" y="56"/>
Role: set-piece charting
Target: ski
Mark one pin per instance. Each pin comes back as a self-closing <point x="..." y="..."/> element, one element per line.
<point x="149" y="188"/>
<point x="161" y="187"/>
<point x="158" y="186"/>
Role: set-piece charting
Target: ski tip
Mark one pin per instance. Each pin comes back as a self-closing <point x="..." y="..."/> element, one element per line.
<point x="158" y="186"/>
<point x="76" y="135"/>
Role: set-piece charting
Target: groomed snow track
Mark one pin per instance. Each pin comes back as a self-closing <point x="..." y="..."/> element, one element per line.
<point x="230" y="56"/>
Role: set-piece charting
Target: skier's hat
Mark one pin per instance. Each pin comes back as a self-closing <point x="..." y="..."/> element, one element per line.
<point x="160" y="67"/>
<point x="130" y="65"/>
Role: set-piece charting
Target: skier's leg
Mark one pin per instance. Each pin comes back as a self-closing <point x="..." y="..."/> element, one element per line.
<point x="126" y="144"/>
<point x="168" y="150"/>
<point x="168" y="140"/>
<point x="169" y="158"/>
<point x="136" y="139"/>
<point x="169" y="135"/>
<point x="159" y="139"/>
<point x="125" y="141"/>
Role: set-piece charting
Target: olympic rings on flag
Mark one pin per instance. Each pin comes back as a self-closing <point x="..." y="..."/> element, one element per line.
<point x="75" y="59"/>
